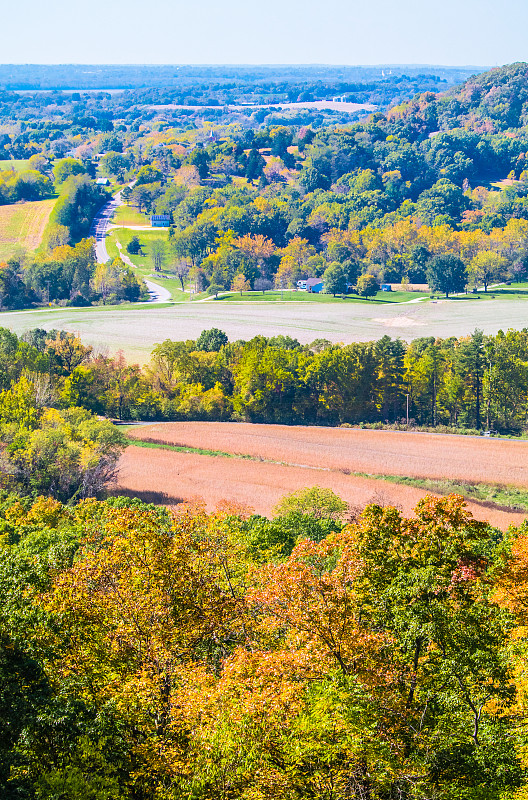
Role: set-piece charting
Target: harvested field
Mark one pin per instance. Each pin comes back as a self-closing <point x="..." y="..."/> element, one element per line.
<point x="136" y="330"/>
<point x="420" y="455"/>
<point x="169" y="477"/>
<point x="22" y="225"/>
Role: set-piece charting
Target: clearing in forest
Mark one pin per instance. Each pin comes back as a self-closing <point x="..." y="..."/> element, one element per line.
<point x="22" y="226"/>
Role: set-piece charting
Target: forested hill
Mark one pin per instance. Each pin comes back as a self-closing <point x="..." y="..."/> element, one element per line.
<point x="493" y="101"/>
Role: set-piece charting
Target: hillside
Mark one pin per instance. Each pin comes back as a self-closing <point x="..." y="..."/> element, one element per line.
<point x="22" y="226"/>
<point x="494" y="101"/>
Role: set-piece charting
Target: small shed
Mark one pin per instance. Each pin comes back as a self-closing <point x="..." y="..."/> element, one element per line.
<point x="160" y="220"/>
<point x="102" y="182"/>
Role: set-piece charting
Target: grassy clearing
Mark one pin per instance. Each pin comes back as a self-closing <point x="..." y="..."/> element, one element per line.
<point x="196" y="450"/>
<point x="515" y="291"/>
<point x="507" y="497"/>
<point x="18" y="164"/>
<point x="381" y="298"/>
<point x="143" y="268"/>
<point x="22" y="226"/>
<point x="124" y="236"/>
<point x="127" y="215"/>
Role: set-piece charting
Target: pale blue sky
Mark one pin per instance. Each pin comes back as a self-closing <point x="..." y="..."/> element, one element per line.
<point x="451" y="32"/>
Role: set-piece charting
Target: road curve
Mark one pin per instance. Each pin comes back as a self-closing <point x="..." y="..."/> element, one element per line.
<point x="99" y="230"/>
<point x="158" y="294"/>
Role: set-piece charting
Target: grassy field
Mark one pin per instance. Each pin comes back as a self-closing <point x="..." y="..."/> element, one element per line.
<point x="307" y="297"/>
<point x="22" y="226"/>
<point x="18" y="164"/>
<point x="124" y="236"/>
<point x="142" y="262"/>
<point x="127" y="215"/>
<point x="136" y="329"/>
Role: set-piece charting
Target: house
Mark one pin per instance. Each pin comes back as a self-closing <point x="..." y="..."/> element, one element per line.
<point x="314" y="285"/>
<point x="102" y="182"/>
<point x="160" y="220"/>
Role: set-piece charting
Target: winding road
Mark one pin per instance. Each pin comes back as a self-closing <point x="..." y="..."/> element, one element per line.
<point x="99" y="230"/>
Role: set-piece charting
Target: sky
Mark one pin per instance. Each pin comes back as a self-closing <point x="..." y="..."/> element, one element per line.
<point x="447" y="32"/>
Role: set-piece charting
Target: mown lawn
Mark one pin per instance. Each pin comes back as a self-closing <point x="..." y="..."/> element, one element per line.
<point x="127" y="215"/>
<point x="306" y="297"/>
<point x="143" y="267"/>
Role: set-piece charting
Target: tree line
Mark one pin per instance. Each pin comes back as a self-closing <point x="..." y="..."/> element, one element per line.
<point x="69" y="276"/>
<point x="471" y="383"/>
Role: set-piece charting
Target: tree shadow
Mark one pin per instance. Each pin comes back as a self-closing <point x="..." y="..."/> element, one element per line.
<point x="148" y="496"/>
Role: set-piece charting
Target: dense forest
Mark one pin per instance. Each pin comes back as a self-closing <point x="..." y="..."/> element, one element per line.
<point x="149" y="654"/>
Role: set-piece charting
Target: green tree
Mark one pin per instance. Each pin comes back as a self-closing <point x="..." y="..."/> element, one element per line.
<point x="134" y="246"/>
<point x="200" y="159"/>
<point x="211" y="340"/>
<point x="486" y="267"/>
<point x="447" y="274"/>
<point x="66" y="167"/>
<point x="157" y="254"/>
<point x="114" y="165"/>
<point x="335" y="279"/>
<point x="316" y="501"/>
<point x="367" y="286"/>
<point x="255" y="165"/>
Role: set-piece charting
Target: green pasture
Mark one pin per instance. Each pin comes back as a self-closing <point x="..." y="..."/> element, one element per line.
<point x="18" y="164"/>
<point x="309" y="297"/>
<point x="128" y="215"/>
<point x="142" y="262"/>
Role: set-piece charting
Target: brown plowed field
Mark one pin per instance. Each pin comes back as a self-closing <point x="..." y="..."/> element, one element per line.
<point x="418" y="455"/>
<point x="313" y="456"/>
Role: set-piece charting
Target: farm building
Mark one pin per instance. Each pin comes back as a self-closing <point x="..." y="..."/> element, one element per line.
<point x="314" y="285"/>
<point x="160" y="220"/>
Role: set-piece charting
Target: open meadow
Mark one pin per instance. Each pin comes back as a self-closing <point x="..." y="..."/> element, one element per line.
<point x="18" y="164"/>
<point x="22" y="226"/>
<point x="257" y="464"/>
<point x="136" y="329"/>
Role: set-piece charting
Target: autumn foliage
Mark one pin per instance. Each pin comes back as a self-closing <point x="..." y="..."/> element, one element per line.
<point x="183" y="654"/>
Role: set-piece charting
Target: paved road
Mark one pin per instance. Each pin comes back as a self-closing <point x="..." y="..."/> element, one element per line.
<point x="157" y="293"/>
<point x="100" y="225"/>
<point x="99" y="229"/>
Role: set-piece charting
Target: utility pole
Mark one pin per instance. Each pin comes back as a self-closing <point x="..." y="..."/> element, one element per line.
<point x="407" y="396"/>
